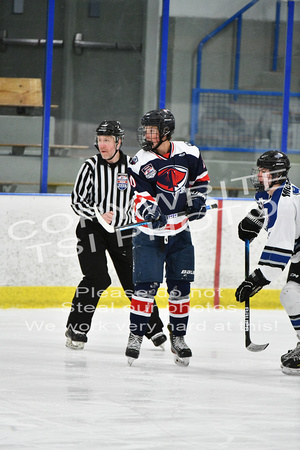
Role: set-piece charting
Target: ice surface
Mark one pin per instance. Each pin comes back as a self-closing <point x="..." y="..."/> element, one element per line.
<point x="53" y="397"/>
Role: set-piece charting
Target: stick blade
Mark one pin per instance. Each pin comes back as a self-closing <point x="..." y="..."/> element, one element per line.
<point x="106" y="226"/>
<point x="256" y="347"/>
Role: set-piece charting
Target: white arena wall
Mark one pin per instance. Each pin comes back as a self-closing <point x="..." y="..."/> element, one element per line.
<point x="39" y="266"/>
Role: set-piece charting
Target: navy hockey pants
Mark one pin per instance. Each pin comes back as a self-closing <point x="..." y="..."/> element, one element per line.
<point x="151" y="256"/>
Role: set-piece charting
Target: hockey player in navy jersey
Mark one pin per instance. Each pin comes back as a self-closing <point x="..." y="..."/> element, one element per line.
<point x="167" y="177"/>
<point x="279" y="213"/>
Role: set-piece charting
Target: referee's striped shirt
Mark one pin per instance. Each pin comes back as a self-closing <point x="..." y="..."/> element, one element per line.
<point x="106" y="186"/>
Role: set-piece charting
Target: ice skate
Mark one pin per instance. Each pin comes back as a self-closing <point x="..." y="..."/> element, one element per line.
<point x="75" y="339"/>
<point x="133" y="347"/>
<point x="159" y="339"/>
<point x="290" y="361"/>
<point x="289" y="352"/>
<point x="182" y="352"/>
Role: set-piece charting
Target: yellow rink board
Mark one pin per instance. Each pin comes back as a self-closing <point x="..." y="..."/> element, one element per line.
<point x="114" y="297"/>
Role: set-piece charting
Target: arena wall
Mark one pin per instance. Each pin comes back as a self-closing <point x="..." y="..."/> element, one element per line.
<point x="40" y="267"/>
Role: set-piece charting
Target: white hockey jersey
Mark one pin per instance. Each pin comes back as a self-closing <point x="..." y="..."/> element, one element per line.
<point x="283" y="227"/>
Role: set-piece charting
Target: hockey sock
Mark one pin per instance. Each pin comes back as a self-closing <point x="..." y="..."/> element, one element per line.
<point x="141" y="307"/>
<point x="295" y="321"/>
<point x="179" y="306"/>
<point x="290" y="300"/>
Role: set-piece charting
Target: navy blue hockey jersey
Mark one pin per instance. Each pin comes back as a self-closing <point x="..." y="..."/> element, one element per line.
<point x="165" y="180"/>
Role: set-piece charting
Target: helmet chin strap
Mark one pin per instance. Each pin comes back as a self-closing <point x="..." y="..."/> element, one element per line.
<point x="153" y="149"/>
<point x="117" y="149"/>
<point x="112" y="157"/>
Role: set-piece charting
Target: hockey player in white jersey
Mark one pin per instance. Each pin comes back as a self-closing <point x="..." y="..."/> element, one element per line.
<point x="279" y="213"/>
<point x="167" y="177"/>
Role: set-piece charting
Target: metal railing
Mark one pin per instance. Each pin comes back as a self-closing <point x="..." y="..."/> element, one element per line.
<point x="284" y="110"/>
<point x="244" y="120"/>
<point x="276" y="35"/>
<point x="196" y="90"/>
<point x="79" y="44"/>
<point x="5" y="41"/>
<point x="238" y="17"/>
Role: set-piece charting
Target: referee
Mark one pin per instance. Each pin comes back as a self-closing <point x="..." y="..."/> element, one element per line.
<point x="102" y="181"/>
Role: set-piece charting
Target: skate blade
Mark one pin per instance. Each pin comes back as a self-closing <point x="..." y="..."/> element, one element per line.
<point x="289" y="371"/>
<point x="130" y="360"/>
<point x="162" y="345"/>
<point x="75" y="345"/>
<point x="181" y="361"/>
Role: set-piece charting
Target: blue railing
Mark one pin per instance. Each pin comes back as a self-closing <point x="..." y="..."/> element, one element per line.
<point x="286" y="94"/>
<point x="276" y="36"/>
<point x="237" y="16"/>
<point x="47" y="97"/>
<point x="244" y="121"/>
<point x="287" y="75"/>
<point x="164" y="53"/>
<point x="195" y="100"/>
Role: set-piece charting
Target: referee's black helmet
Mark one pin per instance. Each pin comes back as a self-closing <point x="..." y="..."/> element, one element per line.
<point x="110" y="128"/>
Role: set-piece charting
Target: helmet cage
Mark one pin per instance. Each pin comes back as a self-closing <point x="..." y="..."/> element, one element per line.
<point x="163" y="120"/>
<point x="277" y="164"/>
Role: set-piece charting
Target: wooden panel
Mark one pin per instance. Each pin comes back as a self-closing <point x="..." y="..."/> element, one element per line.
<point x="21" y="92"/>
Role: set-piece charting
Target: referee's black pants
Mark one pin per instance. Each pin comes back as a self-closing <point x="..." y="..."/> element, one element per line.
<point x="93" y="242"/>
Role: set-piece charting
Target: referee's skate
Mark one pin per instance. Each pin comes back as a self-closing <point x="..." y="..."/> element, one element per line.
<point x="75" y="340"/>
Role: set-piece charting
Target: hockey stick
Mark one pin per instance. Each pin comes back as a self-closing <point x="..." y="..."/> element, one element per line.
<point x="110" y="229"/>
<point x="249" y="345"/>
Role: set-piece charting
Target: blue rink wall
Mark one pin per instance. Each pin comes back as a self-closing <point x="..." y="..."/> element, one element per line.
<point x="40" y="267"/>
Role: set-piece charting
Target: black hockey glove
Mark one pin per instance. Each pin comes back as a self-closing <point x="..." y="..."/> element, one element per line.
<point x="251" y="225"/>
<point x="197" y="209"/>
<point x="152" y="213"/>
<point x="252" y="284"/>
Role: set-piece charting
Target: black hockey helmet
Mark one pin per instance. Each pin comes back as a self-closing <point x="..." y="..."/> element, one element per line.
<point x="163" y="119"/>
<point x="277" y="163"/>
<point x="110" y="128"/>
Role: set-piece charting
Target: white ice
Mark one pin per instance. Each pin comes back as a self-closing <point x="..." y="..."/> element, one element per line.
<point x="53" y="397"/>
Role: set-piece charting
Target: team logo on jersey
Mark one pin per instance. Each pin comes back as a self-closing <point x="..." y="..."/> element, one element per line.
<point x="172" y="178"/>
<point x="122" y="181"/>
<point x="149" y="171"/>
<point x="133" y="160"/>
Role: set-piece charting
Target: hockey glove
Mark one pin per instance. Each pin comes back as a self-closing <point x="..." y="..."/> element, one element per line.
<point x="197" y="209"/>
<point x="251" y="225"/>
<point x="151" y="213"/>
<point x="252" y="284"/>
